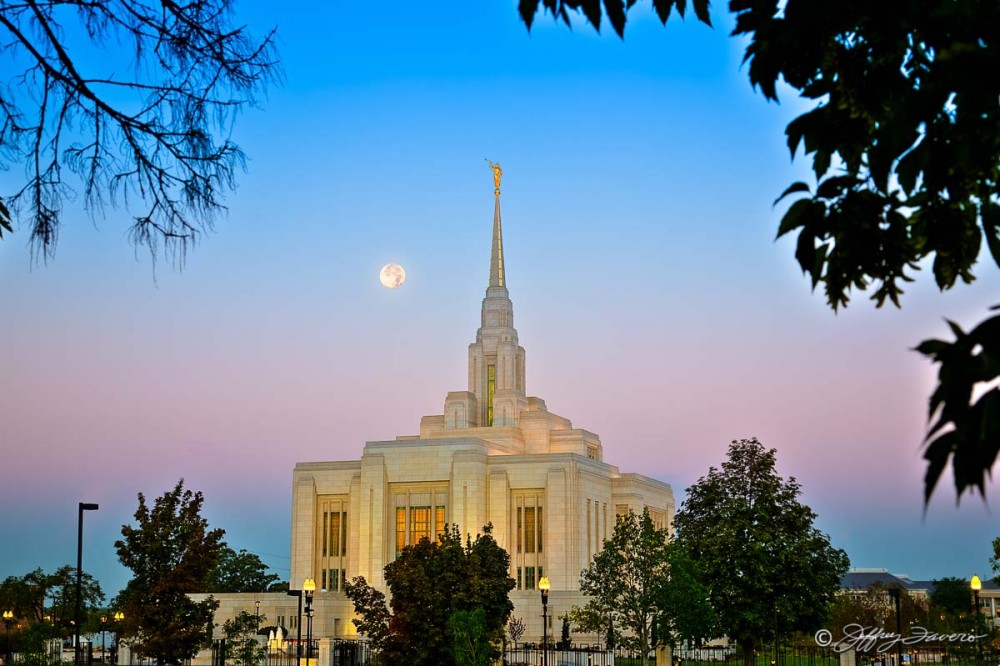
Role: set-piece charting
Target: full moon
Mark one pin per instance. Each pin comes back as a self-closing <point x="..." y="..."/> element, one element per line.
<point x="392" y="276"/>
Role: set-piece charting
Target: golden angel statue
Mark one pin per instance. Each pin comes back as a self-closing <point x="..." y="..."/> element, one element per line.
<point x="497" y="174"/>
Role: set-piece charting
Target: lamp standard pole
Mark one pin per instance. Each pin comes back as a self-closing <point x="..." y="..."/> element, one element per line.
<point x="119" y="617"/>
<point x="894" y="592"/>
<point x="84" y="506"/>
<point x="8" y="619"/>
<point x="309" y="587"/>
<point x="976" y="585"/>
<point x="544" y="586"/>
<point x="104" y="629"/>
<point x="256" y="615"/>
<point x="298" y="626"/>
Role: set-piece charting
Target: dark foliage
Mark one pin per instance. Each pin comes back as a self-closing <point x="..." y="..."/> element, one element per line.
<point x="170" y="551"/>
<point x="430" y="582"/>
<point x="769" y="571"/>
<point x="904" y="138"/>
<point x="125" y="102"/>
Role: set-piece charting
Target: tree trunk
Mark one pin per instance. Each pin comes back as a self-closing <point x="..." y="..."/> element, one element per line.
<point x="748" y="656"/>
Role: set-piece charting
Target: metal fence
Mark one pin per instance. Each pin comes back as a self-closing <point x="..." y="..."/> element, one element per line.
<point x="529" y="654"/>
<point x="814" y="655"/>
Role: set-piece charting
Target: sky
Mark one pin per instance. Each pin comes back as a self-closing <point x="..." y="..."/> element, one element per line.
<point x="654" y="303"/>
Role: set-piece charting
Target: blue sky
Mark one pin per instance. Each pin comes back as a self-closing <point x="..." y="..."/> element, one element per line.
<point x="655" y="306"/>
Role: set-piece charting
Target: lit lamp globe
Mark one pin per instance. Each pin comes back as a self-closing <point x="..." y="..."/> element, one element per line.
<point x="976" y="584"/>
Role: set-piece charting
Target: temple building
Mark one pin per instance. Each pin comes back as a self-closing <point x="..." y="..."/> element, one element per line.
<point x="495" y="455"/>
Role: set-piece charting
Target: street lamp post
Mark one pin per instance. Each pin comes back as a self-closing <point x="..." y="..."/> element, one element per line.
<point x="309" y="587"/>
<point x="976" y="585"/>
<point x="84" y="506"/>
<point x="298" y="624"/>
<point x="894" y="593"/>
<point x="8" y="619"/>
<point x="118" y="617"/>
<point x="104" y="630"/>
<point x="544" y="586"/>
<point x="256" y="615"/>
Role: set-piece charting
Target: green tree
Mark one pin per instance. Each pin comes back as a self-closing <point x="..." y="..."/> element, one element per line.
<point x="951" y="598"/>
<point x="242" y="647"/>
<point x="592" y="618"/>
<point x="470" y="644"/>
<point x="768" y="570"/>
<point x="372" y="612"/>
<point x="127" y="103"/>
<point x="240" y="571"/>
<point x="687" y="613"/>
<point x="429" y="582"/>
<point x="170" y="551"/>
<point x="47" y="601"/>
<point x="565" y="639"/>
<point x="515" y="629"/>
<point x="874" y="607"/>
<point x="904" y="137"/>
<point x="633" y="586"/>
<point x="995" y="560"/>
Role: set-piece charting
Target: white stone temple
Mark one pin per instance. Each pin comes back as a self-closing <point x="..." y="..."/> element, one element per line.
<point x="495" y="456"/>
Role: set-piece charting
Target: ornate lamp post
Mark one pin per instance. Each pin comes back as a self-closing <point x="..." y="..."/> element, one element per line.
<point x="118" y="617"/>
<point x="298" y="625"/>
<point x="8" y="619"/>
<point x="976" y="585"/>
<point x="544" y="586"/>
<point x="309" y="587"/>
<point x="84" y="506"/>
<point x="256" y="615"/>
<point x="894" y="593"/>
<point x="104" y="630"/>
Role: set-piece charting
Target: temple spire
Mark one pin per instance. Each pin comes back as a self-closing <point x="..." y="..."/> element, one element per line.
<point x="497" y="276"/>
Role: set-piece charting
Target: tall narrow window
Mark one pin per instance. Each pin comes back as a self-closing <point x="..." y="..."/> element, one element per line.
<point x="324" y="533"/>
<point x="439" y="525"/>
<point x="400" y="529"/>
<point x="331" y="540"/>
<point x="420" y="523"/>
<point x="529" y="529"/>
<point x="588" y="530"/>
<point x="491" y="389"/>
<point x="520" y="530"/>
<point x="343" y="534"/>
<point x="538" y="521"/>
<point x="334" y="533"/>
<point x="528" y="536"/>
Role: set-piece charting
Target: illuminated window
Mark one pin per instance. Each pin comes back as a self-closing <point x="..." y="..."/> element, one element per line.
<point x="529" y="529"/>
<point x="420" y="513"/>
<point x="520" y="531"/>
<point x="439" y="526"/>
<point x="528" y="536"/>
<point x="491" y="388"/>
<point x="331" y="540"/>
<point x="420" y="523"/>
<point x="400" y="529"/>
